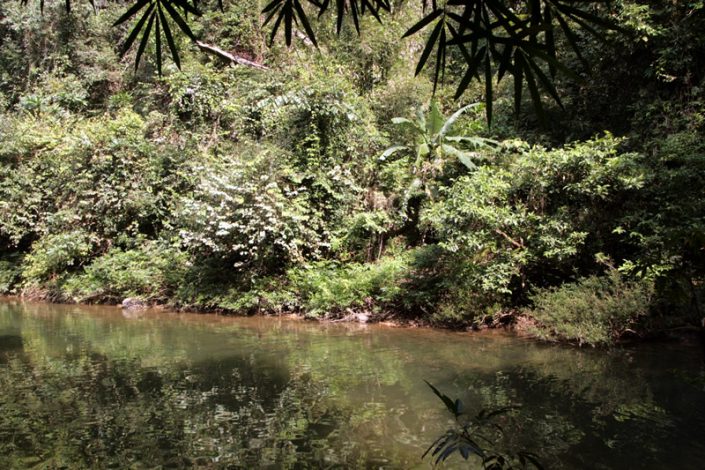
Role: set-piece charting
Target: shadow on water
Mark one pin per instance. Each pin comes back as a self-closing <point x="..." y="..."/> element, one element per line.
<point x="89" y="387"/>
<point x="91" y="411"/>
<point x="10" y="343"/>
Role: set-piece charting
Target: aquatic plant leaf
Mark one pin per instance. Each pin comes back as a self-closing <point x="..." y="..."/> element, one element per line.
<point x="447" y="401"/>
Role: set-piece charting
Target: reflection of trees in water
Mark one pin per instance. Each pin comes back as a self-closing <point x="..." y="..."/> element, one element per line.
<point x="10" y="343"/>
<point x="567" y="422"/>
<point x="98" y="388"/>
<point x="94" y="412"/>
<point x="149" y="391"/>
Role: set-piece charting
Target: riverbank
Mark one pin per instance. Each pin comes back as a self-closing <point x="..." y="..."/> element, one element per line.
<point x="415" y="287"/>
<point x="520" y="322"/>
<point x="535" y="232"/>
<point x="302" y="189"/>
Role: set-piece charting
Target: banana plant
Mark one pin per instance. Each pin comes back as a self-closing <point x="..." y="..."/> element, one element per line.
<point x="435" y="141"/>
<point x="434" y="145"/>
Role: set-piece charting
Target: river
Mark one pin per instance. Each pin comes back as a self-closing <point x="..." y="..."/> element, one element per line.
<point x="96" y="387"/>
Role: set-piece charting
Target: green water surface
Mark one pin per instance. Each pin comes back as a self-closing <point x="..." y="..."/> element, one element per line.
<point x="96" y="387"/>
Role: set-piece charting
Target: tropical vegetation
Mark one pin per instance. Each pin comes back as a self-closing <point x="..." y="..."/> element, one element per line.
<point x="335" y="173"/>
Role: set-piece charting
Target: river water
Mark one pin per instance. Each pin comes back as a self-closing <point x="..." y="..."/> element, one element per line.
<point x="95" y="387"/>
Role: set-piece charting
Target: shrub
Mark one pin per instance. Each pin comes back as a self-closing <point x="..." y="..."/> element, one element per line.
<point x="468" y="295"/>
<point x="55" y="94"/>
<point x="326" y="287"/>
<point x="55" y="254"/>
<point x="667" y="222"/>
<point x="152" y="271"/>
<point x="199" y="96"/>
<point x="252" y="212"/>
<point x="265" y="295"/>
<point x="596" y="310"/>
<point x="538" y="219"/>
<point x="401" y="94"/>
<point x="362" y="234"/>
<point x="235" y="29"/>
<point x="103" y="174"/>
<point x="10" y="272"/>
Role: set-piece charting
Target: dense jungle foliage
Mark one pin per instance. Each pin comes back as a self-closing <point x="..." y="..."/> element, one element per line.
<point x="332" y="181"/>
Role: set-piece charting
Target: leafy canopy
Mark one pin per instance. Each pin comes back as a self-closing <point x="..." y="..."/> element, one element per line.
<point x="495" y="38"/>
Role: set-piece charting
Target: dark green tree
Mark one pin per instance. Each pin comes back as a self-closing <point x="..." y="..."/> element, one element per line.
<point x="495" y="38"/>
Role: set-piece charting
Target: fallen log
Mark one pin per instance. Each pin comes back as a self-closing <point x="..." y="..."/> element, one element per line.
<point x="228" y="56"/>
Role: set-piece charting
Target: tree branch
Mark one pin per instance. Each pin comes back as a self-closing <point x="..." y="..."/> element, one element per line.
<point x="509" y="239"/>
<point x="228" y="56"/>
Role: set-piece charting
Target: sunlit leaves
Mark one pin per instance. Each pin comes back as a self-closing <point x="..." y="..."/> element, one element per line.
<point x="433" y="140"/>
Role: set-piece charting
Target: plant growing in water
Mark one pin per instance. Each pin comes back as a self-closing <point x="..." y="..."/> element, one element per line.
<point x="480" y="436"/>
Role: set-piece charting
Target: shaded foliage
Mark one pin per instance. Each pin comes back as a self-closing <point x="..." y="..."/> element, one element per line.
<point x="495" y="38"/>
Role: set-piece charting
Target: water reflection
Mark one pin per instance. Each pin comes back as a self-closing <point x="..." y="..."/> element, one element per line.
<point x="10" y="343"/>
<point x="88" y="387"/>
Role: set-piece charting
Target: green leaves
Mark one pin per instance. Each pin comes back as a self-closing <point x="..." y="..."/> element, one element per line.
<point x="454" y="117"/>
<point x="465" y="437"/>
<point x="432" y="135"/>
<point x="455" y="407"/>
<point x="434" y="123"/>
<point x="496" y="38"/>
<point x="450" y="443"/>
<point x="391" y="151"/>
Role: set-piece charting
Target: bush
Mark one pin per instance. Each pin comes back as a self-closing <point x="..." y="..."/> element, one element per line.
<point x="55" y="254"/>
<point x="251" y="210"/>
<point x="152" y="271"/>
<point x="55" y="94"/>
<point x="326" y="287"/>
<point x="265" y="295"/>
<point x="667" y="222"/>
<point x="536" y="220"/>
<point x="103" y="174"/>
<point x="596" y="310"/>
<point x="10" y="272"/>
<point x="469" y="294"/>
